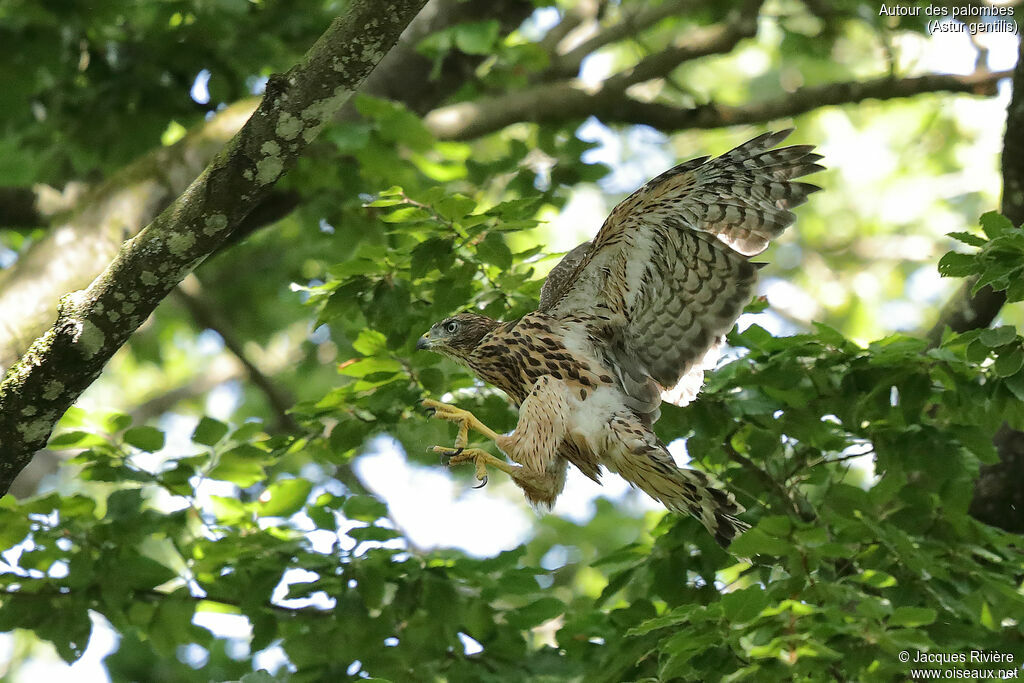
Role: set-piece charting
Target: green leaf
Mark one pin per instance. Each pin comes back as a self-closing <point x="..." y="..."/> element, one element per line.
<point x="75" y="439"/>
<point x="492" y="249"/>
<point x="284" y="498"/>
<point x="454" y="207"/>
<point x="370" y="342"/>
<point x="995" y="224"/>
<point x="757" y="542"/>
<point x="876" y="578"/>
<point x="998" y="336"/>
<point x="239" y="467"/>
<point x="535" y="613"/>
<point x="372" y="533"/>
<point x="968" y="238"/>
<point x="395" y="122"/>
<point x="954" y="264"/>
<point x="1009" y="363"/>
<point x="370" y="366"/>
<point x="406" y="214"/>
<point x="683" y="647"/>
<point x="1015" y="384"/>
<point x="209" y="431"/>
<point x="364" y="508"/>
<point x="680" y="615"/>
<point x="1015" y="292"/>
<point x="477" y="38"/>
<point x="132" y="570"/>
<point x="744" y="605"/>
<point x="912" y="616"/>
<point x="149" y="439"/>
<point x="434" y="253"/>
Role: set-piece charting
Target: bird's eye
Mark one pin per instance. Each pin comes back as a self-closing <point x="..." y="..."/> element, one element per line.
<point x="451" y="327"/>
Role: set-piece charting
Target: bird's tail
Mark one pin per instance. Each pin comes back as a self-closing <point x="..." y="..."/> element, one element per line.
<point x="644" y="462"/>
<point x="689" y="492"/>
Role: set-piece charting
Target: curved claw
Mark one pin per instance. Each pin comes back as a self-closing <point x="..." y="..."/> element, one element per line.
<point x="446" y="454"/>
<point x="483" y="483"/>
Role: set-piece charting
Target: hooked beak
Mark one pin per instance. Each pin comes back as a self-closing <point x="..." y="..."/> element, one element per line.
<point x="423" y="342"/>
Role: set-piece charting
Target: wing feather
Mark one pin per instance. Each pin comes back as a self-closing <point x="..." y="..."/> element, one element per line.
<point x="670" y="266"/>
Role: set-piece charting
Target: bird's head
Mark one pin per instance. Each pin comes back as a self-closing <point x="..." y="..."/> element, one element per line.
<point x="457" y="336"/>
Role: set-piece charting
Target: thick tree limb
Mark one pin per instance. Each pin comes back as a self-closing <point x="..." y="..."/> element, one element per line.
<point x="80" y="244"/>
<point x="93" y="323"/>
<point x="405" y="75"/>
<point x="568" y="100"/>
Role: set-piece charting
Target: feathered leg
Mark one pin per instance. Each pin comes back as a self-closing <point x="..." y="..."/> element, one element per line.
<point x="642" y="460"/>
<point x="533" y="445"/>
<point x="535" y="441"/>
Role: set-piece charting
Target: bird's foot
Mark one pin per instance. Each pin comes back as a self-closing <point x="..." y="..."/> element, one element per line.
<point x="463" y="418"/>
<point x="481" y="458"/>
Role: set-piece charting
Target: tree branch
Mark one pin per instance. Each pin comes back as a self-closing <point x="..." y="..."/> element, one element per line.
<point x="81" y="244"/>
<point x="189" y="293"/>
<point x="708" y="40"/>
<point x="568" y="100"/>
<point x="632" y="23"/>
<point x="93" y="323"/>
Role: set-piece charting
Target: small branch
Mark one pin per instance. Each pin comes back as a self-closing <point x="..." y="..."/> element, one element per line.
<point x="190" y="294"/>
<point x="802" y="511"/>
<point x="92" y="324"/>
<point x="632" y="23"/>
<point x="226" y="370"/>
<point x="571" y="20"/>
<point x="709" y="40"/>
<point x="569" y="100"/>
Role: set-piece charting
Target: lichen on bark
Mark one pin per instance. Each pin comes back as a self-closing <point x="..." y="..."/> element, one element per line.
<point x="93" y="323"/>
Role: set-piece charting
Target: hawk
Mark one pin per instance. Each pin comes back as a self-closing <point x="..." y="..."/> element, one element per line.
<point x="624" y="321"/>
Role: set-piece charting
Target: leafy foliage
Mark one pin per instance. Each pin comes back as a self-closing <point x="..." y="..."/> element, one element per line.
<point x="999" y="261"/>
<point x="856" y="460"/>
<point x="850" y="562"/>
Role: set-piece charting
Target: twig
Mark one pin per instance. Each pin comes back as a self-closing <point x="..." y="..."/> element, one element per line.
<point x="760" y="473"/>
<point x="190" y="294"/>
<point x="632" y="23"/>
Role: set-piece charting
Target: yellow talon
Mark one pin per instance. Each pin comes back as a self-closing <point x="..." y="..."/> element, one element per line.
<point x="465" y="419"/>
<point x="460" y="454"/>
<point x="479" y="457"/>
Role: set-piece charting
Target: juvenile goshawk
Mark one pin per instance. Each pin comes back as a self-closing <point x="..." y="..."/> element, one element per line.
<point x="626" y="320"/>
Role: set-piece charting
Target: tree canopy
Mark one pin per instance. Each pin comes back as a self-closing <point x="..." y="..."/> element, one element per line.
<point x="224" y="225"/>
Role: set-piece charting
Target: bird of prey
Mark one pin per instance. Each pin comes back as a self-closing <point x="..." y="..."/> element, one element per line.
<point x="626" y="320"/>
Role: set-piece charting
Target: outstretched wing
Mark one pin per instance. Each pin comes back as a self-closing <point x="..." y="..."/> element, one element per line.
<point x="670" y="266"/>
